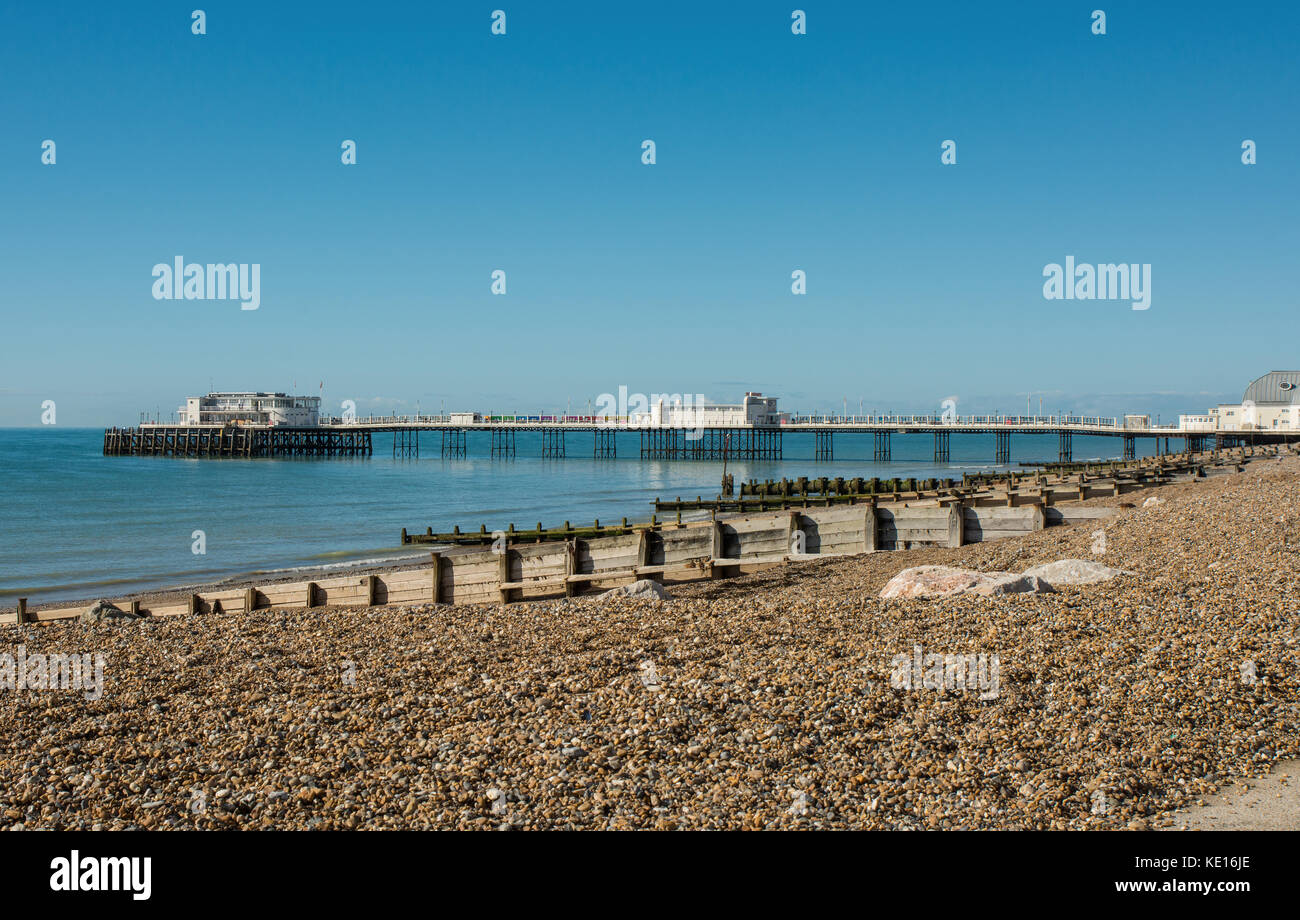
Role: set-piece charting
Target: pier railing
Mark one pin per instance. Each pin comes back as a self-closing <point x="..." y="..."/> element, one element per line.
<point x="798" y="419"/>
<point x="969" y="421"/>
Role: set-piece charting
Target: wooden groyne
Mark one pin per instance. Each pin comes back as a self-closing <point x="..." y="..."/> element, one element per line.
<point x="235" y="441"/>
<point x="664" y="552"/>
<point x="860" y="486"/>
<point x="1077" y="482"/>
<point x="521" y="567"/>
<point x="1006" y="490"/>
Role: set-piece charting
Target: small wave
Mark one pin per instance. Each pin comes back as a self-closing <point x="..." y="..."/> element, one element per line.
<point x="350" y="564"/>
<point x="180" y="581"/>
<point x="90" y="585"/>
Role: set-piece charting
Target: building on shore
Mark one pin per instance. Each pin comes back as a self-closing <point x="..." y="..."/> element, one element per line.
<point x="1270" y="403"/>
<point x="254" y="409"/>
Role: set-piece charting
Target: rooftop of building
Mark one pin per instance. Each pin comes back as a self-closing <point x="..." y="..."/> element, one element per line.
<point x="1276" y="387"/>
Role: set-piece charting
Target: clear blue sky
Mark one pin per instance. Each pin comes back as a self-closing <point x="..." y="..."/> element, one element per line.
<point x="523" y="153"/>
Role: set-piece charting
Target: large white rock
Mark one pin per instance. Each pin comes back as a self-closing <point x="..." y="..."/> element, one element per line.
<point x="929" y="581"/>
<point x="643" y="588"/>
<point x="1074" y="572"/>
<point x="943" y="580"/>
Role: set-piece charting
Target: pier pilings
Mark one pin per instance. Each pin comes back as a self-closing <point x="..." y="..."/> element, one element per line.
<point x="503" y="442"/>
<point x="1002" y="449"/>
<point x="233" y="441"/>
<point x="552" y="444"/>
<point x="453" y="443"/>
<point x="605" y="444"/>
<point x="941" y="448"/>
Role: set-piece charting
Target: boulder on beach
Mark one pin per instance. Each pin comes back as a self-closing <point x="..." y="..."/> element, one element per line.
<point x="1074" y="572"/>
<point x="943" y="580"/>
<point x="644" y="588"/>
<point x="929" y="581"/>
<point x="993" y="584"/>
<point x="1151" y="502"/>
<point x="103" y="610"/>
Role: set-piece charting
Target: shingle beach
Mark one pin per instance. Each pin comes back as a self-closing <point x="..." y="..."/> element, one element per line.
<point x="766" y="701"/>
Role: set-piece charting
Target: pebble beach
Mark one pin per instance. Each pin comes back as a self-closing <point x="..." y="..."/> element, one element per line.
<point x="764" y="701"/>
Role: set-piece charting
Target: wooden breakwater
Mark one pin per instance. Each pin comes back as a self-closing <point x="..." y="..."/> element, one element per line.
<point x="1011" y="490"/>
<point x="666" y="552"/>
<point x="522" y="569"/>
<point x="861" y="486"/>
<point x="1078" y="483"/>
<point x="234" y="441"/>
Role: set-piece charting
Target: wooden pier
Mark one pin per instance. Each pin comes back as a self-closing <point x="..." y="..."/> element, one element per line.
<point x="214" y="441"/>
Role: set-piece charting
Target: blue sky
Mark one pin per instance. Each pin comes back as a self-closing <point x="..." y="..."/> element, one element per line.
<point x="522" y="152"/>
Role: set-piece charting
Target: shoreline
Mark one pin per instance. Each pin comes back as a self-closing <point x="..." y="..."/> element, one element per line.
<point x="163" y="595"/>
<point x="174" y="597"/>
<point x="59" y="551"/>
<point x="171" y="594"/>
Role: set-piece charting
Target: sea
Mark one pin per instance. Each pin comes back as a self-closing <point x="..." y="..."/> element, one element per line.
<point x="76" y="524"/>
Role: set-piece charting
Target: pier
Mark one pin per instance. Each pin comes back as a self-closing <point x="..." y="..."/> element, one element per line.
<point x="566" y="436"/>
<point x="596" y="436"/>
<point x="562" y="438"/>
<point x="235" y="441"/>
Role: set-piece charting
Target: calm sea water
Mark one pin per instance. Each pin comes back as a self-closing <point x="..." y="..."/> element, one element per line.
<point x="75" y="523"/>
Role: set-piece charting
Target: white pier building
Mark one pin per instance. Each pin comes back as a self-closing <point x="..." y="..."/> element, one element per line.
<point x="258" y="409"/>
